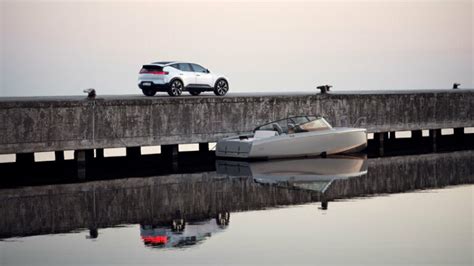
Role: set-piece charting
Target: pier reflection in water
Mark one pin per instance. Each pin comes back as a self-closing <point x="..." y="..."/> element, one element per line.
<point x="183" y="209"/>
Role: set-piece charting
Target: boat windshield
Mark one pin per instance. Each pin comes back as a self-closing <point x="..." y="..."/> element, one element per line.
<point x="296" y="124"/>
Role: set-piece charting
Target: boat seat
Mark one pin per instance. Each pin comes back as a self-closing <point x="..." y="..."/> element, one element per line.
<point x="277" y="128"/>
<point x="264" y="134"/>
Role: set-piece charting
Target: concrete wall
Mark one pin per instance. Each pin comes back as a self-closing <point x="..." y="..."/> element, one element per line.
<point x="47" y="124"/>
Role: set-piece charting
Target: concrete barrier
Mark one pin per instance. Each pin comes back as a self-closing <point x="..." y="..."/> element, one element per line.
<point x="62" y="123"/>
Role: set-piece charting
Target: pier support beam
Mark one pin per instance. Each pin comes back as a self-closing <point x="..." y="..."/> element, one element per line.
<point x="25" y="158"/>
<point x="391" y="135"/>
<point x="133" y="152"/>
<point x="459" y="135"/>
<point x="459" y="131"/>
<point x="434" y="135"/>
<point x="416" y="134"/>
<point x="99" y="153"/>
<point x="203" y="147"/>
<point x="170" y="154"/>
<point x="82" y="157"/>
<point x="380" y="141"/>
<point x="59" y="156"/>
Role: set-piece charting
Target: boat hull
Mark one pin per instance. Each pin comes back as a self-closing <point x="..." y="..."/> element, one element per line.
<point x="333" y="141"/>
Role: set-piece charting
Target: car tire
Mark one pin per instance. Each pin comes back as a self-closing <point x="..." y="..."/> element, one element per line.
<point x="176" y="88"/>
<point x="221" y="87"/>
<point x="149" y="91"/>
<point x="194" y="92"/>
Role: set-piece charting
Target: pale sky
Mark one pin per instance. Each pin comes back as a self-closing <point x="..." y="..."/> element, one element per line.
<point x="63" y="47"/>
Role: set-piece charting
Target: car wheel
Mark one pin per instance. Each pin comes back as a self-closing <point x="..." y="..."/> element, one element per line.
<point x="149" y="91"/>
<point x="221" y="87"/>
<point x="194" y="93"/>
<point x="176" y="88"/>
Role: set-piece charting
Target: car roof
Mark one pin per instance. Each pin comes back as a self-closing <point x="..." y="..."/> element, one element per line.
<point x="166" y="63"/>
<point x="163" y="62"/>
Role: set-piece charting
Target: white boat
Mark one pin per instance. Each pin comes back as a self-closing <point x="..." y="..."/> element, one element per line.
<point x="297" y="136"/>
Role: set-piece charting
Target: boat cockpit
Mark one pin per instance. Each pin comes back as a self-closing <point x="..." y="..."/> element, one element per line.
<point x="296" y="124"/>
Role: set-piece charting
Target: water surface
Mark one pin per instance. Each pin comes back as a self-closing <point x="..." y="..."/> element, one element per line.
<point x="415" y="209"/>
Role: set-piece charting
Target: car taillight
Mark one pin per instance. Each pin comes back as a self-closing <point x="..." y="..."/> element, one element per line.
<point x="158" y="72"/>
<point x="154" y="72"/>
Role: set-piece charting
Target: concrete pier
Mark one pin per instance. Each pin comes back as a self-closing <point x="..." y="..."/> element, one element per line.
<point x="72" y="123"/>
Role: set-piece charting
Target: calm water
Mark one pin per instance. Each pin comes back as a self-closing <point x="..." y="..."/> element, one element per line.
<point x="415" y="209"/>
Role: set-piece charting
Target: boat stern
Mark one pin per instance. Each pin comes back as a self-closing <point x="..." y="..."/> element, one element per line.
<point x="235" y="147"/>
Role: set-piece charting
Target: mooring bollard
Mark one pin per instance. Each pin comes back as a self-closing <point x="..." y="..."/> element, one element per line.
<point x="324" y="88"/>
<point x="90" y="93"/>
<point x="324" y="205"/>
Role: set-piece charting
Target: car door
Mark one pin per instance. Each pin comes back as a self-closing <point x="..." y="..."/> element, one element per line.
<point x="187" y="74"/>
<point x="203" y="77"/>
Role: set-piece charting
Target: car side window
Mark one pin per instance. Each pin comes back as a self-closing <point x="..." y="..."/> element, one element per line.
<point x="198" y="68"/>
<point x="175" y="66"/>
<point x="184" y="67"/>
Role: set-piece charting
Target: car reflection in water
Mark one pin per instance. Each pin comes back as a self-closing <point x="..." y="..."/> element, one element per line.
<point x="181" y="234"/>
<point x="313" y="174"/>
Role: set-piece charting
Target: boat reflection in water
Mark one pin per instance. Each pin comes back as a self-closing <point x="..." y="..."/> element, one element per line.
<point x="315" y="174"/>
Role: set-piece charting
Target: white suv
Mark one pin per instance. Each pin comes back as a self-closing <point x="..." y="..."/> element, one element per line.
<point x="174" y="77"/>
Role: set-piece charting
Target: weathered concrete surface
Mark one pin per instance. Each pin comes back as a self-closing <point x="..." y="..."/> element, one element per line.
<point x="153" y="200"/>
<point x="62" y="123"/>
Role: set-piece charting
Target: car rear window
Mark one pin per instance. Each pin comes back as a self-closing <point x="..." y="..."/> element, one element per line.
<point x="146" y="69"/>
<point x="152" y="67"/>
